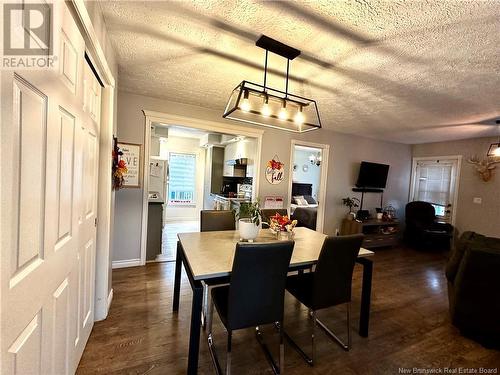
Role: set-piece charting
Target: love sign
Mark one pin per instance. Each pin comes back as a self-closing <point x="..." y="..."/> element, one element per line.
<point x="132" y="156"/>
<point x="275" y="171"/>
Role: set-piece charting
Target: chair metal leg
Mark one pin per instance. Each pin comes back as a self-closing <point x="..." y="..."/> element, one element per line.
<point x="213" y="354"/>
<point x="313" y="343"/>
<point x="204" y="307"/>
<point x="210" y="316"/>
<point x="344" y="346"/>
<point x="294" y="345"/>
<point x="228" y="354"/>
<point x="282" y="351"/>
<point x="265" y="349"/>
<point x="211" y="344"/>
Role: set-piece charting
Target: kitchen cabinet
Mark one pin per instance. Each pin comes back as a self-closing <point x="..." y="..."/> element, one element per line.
<point x="245" y="148"/>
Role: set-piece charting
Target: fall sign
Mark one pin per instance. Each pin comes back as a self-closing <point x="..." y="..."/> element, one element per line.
<point x="275" y="171"/>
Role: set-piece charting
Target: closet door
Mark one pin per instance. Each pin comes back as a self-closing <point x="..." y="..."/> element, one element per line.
<point x="49" y="141"/>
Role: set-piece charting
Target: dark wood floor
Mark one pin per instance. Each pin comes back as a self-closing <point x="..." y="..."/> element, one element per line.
<point x="410" y="326"/>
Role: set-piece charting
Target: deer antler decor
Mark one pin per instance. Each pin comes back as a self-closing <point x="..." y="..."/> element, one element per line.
<point x="484" y="166"/>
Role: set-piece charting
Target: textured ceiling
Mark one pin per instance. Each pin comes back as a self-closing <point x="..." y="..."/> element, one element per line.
<point x="406" y="71"/>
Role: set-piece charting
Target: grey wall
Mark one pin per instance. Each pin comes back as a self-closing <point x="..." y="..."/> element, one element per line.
<point x="346" y="152"/>
<point x="482" y="218"/>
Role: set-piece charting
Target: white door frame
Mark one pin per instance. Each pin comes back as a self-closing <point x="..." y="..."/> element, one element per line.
<point x="458" y="159"/>
<point x="325" y="151"/>
<point x="105" y="193"/>
<point x="211" y="126"/>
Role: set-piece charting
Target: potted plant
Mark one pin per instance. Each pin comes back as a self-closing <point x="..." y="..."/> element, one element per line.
<point x="350" y="203"/>
<point x="249" y="219"/>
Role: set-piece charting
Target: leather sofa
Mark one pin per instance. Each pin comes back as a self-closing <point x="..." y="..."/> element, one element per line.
<point x="473" y="274"/>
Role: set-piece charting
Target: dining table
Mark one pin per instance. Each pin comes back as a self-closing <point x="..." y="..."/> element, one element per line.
<point x="209" y="256"/>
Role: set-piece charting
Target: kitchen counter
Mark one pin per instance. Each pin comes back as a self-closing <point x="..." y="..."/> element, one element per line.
<point x="232" y="199"/>
<point x="226" y="203"/>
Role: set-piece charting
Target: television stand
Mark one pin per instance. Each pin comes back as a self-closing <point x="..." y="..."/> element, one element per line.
<point x="377" y="232"/>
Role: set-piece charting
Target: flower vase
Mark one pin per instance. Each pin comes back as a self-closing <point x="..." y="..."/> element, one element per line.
<point x="249" y="231"/>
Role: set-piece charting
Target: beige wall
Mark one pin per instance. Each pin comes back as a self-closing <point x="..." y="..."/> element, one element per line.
<point x="482" y="218"/>
<point x="346" y="152"/>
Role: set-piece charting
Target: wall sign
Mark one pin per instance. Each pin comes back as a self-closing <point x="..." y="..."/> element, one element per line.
<point x="132" y="156"/>
<point x="275" y="171"/>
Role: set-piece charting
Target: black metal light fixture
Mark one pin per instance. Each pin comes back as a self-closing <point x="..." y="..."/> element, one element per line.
<point x="261" y="105"/>
<point x="494" y="149"/>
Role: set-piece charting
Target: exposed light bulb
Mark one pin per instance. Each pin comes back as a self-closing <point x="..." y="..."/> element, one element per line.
<point x="266" y="110"/>
<point x="299" y="117"/>
<point x="283" y="114"/>
<point x="245" y="103"/>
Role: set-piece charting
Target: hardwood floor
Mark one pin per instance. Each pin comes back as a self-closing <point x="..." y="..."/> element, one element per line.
<point x="169" y="237"/>
<point x="409" y="327"/>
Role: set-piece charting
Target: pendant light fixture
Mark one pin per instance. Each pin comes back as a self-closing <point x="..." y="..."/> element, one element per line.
<point x="494" y="149"/>
<point x="262" y="105"/>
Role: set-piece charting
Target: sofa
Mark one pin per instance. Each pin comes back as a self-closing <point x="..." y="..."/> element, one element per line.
<point x="473" y="274"/>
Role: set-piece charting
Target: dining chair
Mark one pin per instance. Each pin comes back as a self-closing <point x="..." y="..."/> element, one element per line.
<point x="214" y="220"/>
<point x="329" y="285"/>
<point x="254" y="297"/>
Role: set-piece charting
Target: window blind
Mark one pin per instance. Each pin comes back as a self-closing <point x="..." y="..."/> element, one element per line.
<point x="182" y="179"/>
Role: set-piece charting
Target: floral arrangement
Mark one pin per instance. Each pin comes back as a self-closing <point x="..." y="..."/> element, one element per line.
<point x="278" y="223"/>
<point x="119" y="167"/>
<point x="274" y="164"/>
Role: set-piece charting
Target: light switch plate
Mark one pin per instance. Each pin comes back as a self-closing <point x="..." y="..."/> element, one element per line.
<point x="477" y="200"/>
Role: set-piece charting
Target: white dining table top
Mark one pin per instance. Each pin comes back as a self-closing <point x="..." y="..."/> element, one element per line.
<point x="210" y="254"/>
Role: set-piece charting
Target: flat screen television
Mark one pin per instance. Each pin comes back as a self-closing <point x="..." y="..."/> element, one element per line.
<point x="372" y="175"/>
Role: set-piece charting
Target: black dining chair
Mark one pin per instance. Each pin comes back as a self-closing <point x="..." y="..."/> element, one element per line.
<point x="214" y="220"/>
<point x="329" y="285"/>
<point x="254" y="297"/>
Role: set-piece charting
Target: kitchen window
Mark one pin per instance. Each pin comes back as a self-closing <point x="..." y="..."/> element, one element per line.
<point x="182" y="179"/>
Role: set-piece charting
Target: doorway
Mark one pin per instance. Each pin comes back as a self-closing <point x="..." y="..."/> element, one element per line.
<point x="435" y="180"/>
<point x="307" y="189"/>
<point x="201" y="162"/>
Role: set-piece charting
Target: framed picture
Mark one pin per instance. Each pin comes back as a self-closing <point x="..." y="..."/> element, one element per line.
<point x="132" y="156"/>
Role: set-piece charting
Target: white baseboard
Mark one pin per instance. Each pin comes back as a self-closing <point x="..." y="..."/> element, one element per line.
<point x="110" y="298"/>
<point x="126" y="263"/>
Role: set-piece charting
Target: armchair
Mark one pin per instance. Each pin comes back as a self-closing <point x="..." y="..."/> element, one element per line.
<point x="422" y="229"/>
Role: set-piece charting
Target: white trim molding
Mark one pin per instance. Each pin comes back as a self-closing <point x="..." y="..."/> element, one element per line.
<point x="110" y="298"/>
<point x="325" y="153"/>
<point x="126" y="263"/>
<point x="225" y="127"/>
<point x="105" y="195"/>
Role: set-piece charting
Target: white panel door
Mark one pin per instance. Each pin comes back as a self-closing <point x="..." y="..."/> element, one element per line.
<point x="49" y="146"/>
